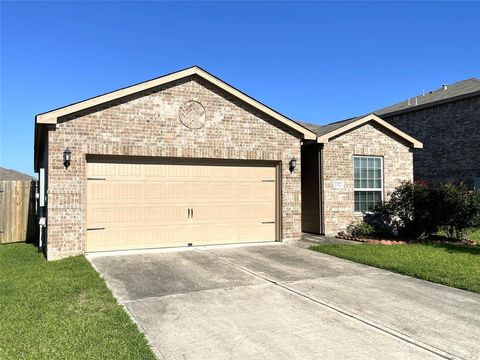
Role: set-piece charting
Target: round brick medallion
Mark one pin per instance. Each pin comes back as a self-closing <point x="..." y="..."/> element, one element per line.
<point x="192" y="114"/>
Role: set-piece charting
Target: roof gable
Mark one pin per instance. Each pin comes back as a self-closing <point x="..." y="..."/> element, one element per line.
<point x="51" y="117"/>
<point x="326" y="132"/>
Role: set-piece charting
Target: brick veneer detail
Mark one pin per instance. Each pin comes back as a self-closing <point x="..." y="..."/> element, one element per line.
<point x="148" y="125"/>
<point x="337" y="159"/>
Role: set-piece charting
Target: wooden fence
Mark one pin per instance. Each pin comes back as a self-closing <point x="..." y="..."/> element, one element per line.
<point x="17" y="211"/>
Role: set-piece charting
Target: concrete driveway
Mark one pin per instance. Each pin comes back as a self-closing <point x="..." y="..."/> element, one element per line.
<point x="283" y="302"/>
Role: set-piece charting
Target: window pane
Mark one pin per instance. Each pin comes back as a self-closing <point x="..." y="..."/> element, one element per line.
<point x="367" y="172"/>
<point x="364" y="207"/>
<point x="366" y="200"/>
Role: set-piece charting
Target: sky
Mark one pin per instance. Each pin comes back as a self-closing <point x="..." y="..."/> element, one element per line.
<point x="312" y="61"/>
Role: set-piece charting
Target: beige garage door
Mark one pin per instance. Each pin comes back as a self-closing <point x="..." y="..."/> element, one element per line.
<point x="138" y="205"/>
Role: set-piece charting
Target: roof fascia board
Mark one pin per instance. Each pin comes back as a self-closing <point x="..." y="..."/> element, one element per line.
<point x="52" y="116"/>
<point x="372" y="117"/>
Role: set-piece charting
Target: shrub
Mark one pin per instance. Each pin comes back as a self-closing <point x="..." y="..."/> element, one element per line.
<point x="409" y="210"/>
<point x="459" y="209"/>
<point x="361" y="229"/>
<point x="417" y="210"/>
<point x="382" y="220"/>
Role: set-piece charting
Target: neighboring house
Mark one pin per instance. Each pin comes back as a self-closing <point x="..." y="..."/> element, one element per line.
<point x="14" y="175"/>
<point x="17" y="206"/>
<point x="447" y="121"/>
<point x="353" y="165"/>
<point x="186" y="159"/>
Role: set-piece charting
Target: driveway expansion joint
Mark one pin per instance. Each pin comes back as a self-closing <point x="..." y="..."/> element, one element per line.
<point x="385" y="329"/>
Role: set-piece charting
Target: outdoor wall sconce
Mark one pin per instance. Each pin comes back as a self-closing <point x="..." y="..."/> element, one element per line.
<point x="67" y="156"/>
<point x="293" y="164"/>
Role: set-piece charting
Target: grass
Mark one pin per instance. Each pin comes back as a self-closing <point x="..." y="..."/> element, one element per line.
<point x="61" y="310"/>
<point x="475" y="236"/>
<point x="453" y="265"/>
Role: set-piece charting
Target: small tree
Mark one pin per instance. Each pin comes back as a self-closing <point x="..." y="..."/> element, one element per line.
<point x="459" y="209"/>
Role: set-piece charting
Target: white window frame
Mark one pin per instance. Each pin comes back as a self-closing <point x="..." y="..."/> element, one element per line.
<point x="367" y="189"/>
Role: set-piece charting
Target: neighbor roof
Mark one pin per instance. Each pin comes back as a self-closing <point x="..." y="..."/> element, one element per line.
<point x="10" y="174"/>
<point x="456" y="91"/>
<point x="51" y="117"/>
<point x="327" y="132"/>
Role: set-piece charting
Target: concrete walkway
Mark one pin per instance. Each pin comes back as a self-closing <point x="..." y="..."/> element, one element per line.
<point x="283" y="302"/>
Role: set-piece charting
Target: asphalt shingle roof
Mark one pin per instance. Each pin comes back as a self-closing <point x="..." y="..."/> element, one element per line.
<point x="325" y="129"/>
<point x="10" y="174"/>
<point x="459" y="88"/>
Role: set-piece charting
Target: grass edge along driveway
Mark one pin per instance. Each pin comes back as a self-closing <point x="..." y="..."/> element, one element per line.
<point x="61" y="310"/>
<point x="452" y="265"/>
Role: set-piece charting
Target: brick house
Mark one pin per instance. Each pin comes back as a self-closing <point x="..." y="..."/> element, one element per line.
<point x="352" y="165"/>
<point x="447" y="122"/>
<point x="186" y="159"/>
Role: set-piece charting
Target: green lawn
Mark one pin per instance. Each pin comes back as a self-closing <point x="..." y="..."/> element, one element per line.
<point x="475" y="236"/>
<point x="452" y="265"/>
<point x="61" y="310"/>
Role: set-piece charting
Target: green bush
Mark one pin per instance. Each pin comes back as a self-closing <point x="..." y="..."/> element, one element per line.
<point x="410" y="211"/>
<point x="459" y="209"/>
<point x="417" y="210"/>
<point x="361" y="229"/>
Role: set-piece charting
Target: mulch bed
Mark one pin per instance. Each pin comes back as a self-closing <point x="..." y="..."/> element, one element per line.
<point x="437" y="239"/>
<point x="344" y="236"/>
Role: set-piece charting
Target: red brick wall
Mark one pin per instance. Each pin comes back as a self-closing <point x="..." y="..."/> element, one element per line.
<point x="148" y="125"/>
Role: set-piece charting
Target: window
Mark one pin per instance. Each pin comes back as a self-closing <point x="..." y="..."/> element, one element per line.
<point x="368" y="182"/>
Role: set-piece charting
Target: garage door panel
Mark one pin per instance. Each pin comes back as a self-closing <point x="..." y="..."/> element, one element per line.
<point x="156" y="192"/>
<point x="155" y="171"/>
<point x="99" y="191"/>
<point x="121" y="239"/>
<point x="139" y="215"/>
<point x="205" y="234"/>
<point x="101" y="215"/>
<point x="234" y="213"/>
<point x="101" y="169"/>
<point x="138" y="205"/>
<point x="255" y="212"/>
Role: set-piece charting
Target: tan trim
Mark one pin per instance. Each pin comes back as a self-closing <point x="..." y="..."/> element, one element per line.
<point x="372" y="117"/>
<point x="51" y="117"/>
<point x="278" y="202"/>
